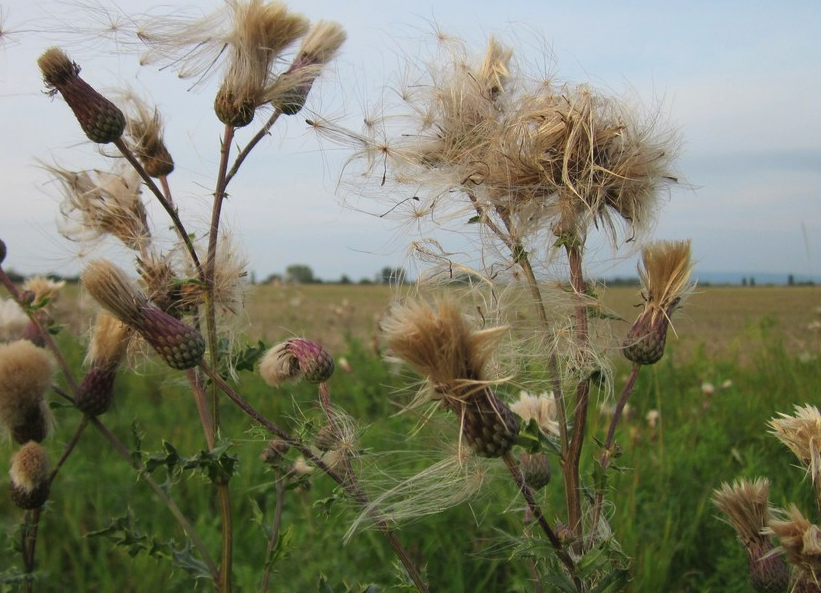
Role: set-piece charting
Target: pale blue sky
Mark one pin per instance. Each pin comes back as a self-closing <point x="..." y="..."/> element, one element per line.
<point x="742" y="81"/>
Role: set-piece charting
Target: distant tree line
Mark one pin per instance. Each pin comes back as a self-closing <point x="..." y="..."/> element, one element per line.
<point x="304" y="274"/>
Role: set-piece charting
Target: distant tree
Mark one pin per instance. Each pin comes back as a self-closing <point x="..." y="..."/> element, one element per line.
<point x="365" y="282"/>
<point x="392" y="276"/>
<point x="299" y="274"/>
<point x="345" y="280"/>
<point x="752" y="281"/>
<point x="790" y="280"/>
<point x="744" y="281"/>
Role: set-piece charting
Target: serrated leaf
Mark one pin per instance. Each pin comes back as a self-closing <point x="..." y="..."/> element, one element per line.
<point x="612" y="583"/>
<point x="560" y="581"/>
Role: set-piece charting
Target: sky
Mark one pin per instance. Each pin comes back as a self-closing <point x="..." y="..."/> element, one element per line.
<point x="741" y="81"/>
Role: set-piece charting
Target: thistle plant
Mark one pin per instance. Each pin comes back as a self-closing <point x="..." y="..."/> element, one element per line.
<point x="793" y="564"/>
<point x="529" y="169"/>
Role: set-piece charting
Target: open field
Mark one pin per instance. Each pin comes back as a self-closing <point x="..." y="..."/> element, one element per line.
<point x="726" y="321"/>
<point x="764" y="342"/>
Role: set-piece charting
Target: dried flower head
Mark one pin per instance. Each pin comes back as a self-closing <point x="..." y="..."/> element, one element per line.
<point x="256" y="34"/>
<point x="541" y="408"/>
<point x="665" y="280"/>
<point x="180" y="346"/>
<point x="13" y="320"/>
<point x="98" y="203"/>
<point x="319" y="46"/>
<point x="802" y="434"/>
<point x="45" y="290"/>
<point x="99" y="118"/>
<point x="800" y="542"/>
<point x="29" y="475"/>
<point x="294" y="360"/>
<point x="145" y="130"/>
<point x="107" y="350"/>
<point x="439" y="343"/>
<point x="26" y="373"/>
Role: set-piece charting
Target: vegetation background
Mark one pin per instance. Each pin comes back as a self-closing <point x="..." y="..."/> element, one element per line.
<point x="741" y="356"/>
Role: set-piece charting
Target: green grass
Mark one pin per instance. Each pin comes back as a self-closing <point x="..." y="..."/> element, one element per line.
<point x="662" y="516"/>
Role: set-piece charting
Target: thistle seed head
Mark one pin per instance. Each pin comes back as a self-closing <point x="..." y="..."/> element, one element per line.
<point x="181" y="346"/>
<point x="800" y="542"/>
<point x="26" y="373"/>
<point x="294" y="360"/>
<point x="114" y="290"/>
<point x="746" y="506"/>
<point x="13" y="320"/>
<point x="99" y="118"/>
<point x="440" y="345"/>
<point x="105" y="354"/>
<point x="319" y="46"/>
<point x="665" y="280"/>
<point x="29" y="475"/>
<point x="541" y="408"/>
<point x="145" y="129"/>
<point x="801" y="433"/>
<point x="99" y="203"/>
<point x="43" y="290"/>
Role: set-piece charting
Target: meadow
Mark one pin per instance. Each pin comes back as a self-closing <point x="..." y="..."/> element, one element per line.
<point x="741" y="356"/>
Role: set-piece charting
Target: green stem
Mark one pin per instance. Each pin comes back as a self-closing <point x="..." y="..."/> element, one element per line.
<point x="225" y="581"/>
<point x="31" y="524"/>
<point x="607" y="452"/>
<point x="124" y="452"/>
<point x="537" y="513"/>
<point x="274" y="536"/>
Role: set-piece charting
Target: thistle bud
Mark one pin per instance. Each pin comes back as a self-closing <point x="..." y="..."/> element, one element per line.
<point x="26" y="373"/>
<point x="29" y="474"/>
<point x="2" y="251"/>
<point x="181" y="346"/>
<point x="99" y="118"/>
<point x="294" y="360"/>
<point x="489" y="426"/>
<point x="535" y="469"/>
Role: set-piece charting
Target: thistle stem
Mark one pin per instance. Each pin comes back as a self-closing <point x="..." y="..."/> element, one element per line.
<point x="572" y="456"/>
<point x="607" y="452"/>
<point x="123" y="451"/>
<point x="165" y="203"/>
<point x="537" y="513"/>
<point x="519" y="255"/>
<point x="274" y="536"/>
<point x="243" y="154"/>
<point x="31" y="524"/>
<point x="225" y="580"/>
<point x="69" y="447"/>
